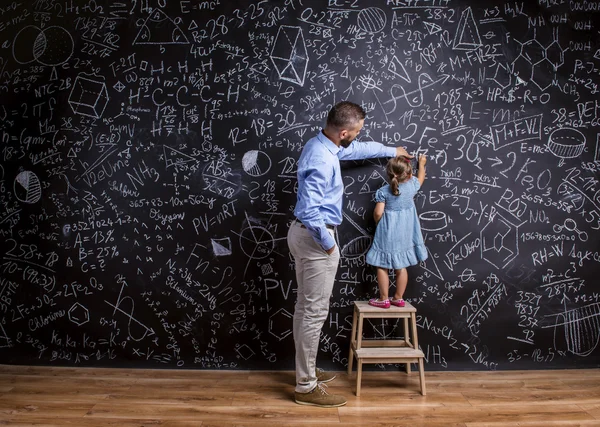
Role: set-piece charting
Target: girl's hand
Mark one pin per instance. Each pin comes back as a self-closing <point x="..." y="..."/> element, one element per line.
<point x="421" y="171"/>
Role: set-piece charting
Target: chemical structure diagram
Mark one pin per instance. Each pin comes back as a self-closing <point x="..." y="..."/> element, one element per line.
<point x="537" y="63"/>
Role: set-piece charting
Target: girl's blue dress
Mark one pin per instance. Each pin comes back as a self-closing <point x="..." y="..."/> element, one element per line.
<point x="398" y="240"/>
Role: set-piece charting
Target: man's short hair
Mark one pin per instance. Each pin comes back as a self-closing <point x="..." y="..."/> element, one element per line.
<point x="345" y="114"/>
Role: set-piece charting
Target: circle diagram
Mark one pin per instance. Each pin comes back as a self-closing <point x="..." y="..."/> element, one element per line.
<point x="433" y="220"/>
<point x="371" y="20"/>
<point x="256" y="163"/>
<point x="28" y="188"/>
<point x="566" y="143"/>
<point x="256" y="242"/>
<point x="50" y="46"/>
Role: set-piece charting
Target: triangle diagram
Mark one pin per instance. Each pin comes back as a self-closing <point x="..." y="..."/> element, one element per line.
<point x="4" y="339"/>
<point x="431" y="266"/>
<point x="160" y="29"/>
<point x="432" y="28"/>
<point x="373" y="183"/>
<point x="281" y="64"/>
<point x="397" y="69"/>
<point x="221" y="247"/>
<point x="289" y="73"/>
<point x="176" y="158"/>
<point x="467" y="34"/>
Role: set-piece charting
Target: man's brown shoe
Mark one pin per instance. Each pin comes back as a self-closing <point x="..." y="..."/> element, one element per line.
<point x="324" y="377"/>
<point x="319" y="397"/>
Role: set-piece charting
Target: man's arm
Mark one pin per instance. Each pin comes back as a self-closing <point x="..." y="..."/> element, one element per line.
<point x="368" y="150"/>
<point x="310" y="196"/>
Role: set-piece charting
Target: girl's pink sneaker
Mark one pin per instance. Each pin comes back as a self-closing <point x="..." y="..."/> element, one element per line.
<point x="397" y="302"/>
<point x="381" y="304"/>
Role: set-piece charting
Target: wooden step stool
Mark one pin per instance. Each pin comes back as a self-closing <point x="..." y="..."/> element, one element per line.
<point x="385" y="351"/>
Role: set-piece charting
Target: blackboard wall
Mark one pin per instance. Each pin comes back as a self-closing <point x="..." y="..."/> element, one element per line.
<point x="148" y="175"/>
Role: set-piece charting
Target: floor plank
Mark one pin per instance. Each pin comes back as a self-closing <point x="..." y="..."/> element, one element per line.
<point x="560" y="423"/>
<point x="94" y="397"/>
<point x="289" y="412"/>
<point x="592" y="408"/>
<point x="79" y="422"/>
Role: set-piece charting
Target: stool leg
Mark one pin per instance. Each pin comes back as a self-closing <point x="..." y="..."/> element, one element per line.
<point x="352" y="343"/>
<point x="422" y="376"/>
<point x="406" y="333"/>
<point x="415" y="340"/>
<point x="359" y="334"/>
<point x="358" y="376"/>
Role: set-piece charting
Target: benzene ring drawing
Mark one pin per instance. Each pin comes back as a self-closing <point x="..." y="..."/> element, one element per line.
<point x="79" y="314"/>
<point x="499" y="241"/>
<point x="279" y="324"/>
<point x="289" y="54"/>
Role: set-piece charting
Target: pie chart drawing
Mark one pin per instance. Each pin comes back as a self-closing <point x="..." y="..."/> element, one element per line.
<point x="256" y="163"/>
<point x="28" y="188"/>
<point x="257" y="242"/>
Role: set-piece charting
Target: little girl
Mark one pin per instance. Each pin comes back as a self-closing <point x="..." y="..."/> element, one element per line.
<point x="398" y="242"/>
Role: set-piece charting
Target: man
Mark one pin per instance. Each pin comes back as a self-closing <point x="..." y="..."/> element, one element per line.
<point x="311" y="239"/>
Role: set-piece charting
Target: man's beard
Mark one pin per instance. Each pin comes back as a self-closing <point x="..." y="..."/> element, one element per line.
<point x="346" y="142"/>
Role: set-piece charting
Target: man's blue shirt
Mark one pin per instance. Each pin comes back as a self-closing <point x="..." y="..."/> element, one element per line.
<point x="320" y="186"/>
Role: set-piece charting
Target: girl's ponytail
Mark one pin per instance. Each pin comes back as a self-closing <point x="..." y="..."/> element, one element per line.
<point x="399" y="170"/>
<point x="394" y="185"/>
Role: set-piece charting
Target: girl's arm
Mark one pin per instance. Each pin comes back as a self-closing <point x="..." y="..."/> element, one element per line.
<point x="421" y="172"/>
<point x="378" y="211"/>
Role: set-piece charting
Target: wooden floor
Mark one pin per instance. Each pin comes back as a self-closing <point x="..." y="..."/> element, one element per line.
<point x="39" y="396"/>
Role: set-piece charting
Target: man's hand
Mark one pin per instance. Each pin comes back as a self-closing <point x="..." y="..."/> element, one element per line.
<point x="401" y="151"/>
<point x="330" y="251"/>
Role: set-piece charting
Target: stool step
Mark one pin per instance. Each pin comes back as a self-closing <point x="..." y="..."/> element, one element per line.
<point x="388" y="352"/>
<point x="364" y="307"/>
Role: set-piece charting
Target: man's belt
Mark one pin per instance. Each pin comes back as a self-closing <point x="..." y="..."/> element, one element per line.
<point x="330" y="226"/>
